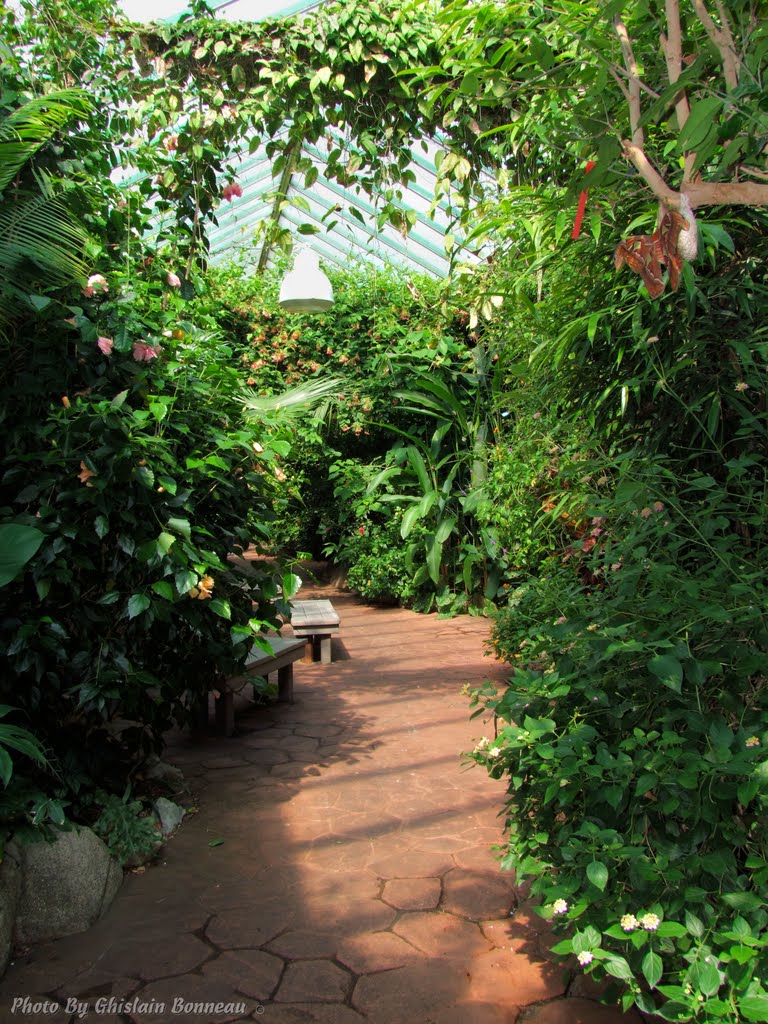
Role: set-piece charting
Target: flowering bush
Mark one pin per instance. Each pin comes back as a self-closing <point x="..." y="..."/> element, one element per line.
<point x="633" y="737"/>
<point x="132" y="458"/>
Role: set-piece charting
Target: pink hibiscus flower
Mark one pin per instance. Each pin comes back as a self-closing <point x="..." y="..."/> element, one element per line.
<point x="230" y="190"/>
<point x="173" y="280"/>
<point x="96" y="283"/>
<point x="105" y="344"/>
<point x="143" y="353"/>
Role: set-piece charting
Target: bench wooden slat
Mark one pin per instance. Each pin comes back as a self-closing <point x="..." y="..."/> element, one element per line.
<point x="261" y="663"/>
<point x="316" y="621"/>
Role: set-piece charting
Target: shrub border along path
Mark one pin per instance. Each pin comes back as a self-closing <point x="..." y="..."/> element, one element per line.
<point x="338" y="869"/>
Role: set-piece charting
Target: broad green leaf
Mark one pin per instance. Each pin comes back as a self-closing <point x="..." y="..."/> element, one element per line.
<point x="6" y="766"/>
<point x="164" y="589"/>
<point x="165" y="542"/>
<point x="180" y="526"/>
<point x="137" y="603"/>
<point x="652" y="968"/>
<point x="185" y="580"/>
<point x="445" y="529"/>
<point x="618" y="967"/>
<point x="668" y="670"/>
<point x="705" y="977"/>
<point x="700" y="120"/>
<point x="18" y="544"/>
<point x="743" y="901"/>
<point x="410" y="517"/>
<point x="434" y="558"/>
<point x="597" y="873"/>
<point x="221" y="608"/>
<point x="416" y="460"/>
<point x="754" y="1008"/>
<point x="693" y="925"/>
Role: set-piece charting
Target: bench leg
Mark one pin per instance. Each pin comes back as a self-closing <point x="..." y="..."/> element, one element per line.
<point x="309" y="650"/>
<point x="285" y="683"/>
<point x="225" y="713"/>
<point x="325" y="650"/>
<point x="199" y="709"/>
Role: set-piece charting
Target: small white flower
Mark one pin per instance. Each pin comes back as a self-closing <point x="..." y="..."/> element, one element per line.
<point x="494" y="752"/>
<point x="629" y="922"/>
<point x="650" y="922"/>
<point x="560" y="907"/>
<point x="585" y="957"/>
<point x="753" y="741"/>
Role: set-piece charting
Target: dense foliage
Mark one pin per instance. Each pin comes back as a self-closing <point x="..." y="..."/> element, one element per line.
<point x="544" y="436"/>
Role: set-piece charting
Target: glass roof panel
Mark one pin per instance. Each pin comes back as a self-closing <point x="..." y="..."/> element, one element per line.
<point x="326" y="206"/>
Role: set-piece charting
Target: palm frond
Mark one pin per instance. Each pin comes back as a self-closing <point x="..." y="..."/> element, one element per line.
<point x="43" y="231"/>
<point x="28" y="128"/>
<point x="296" y="401"/>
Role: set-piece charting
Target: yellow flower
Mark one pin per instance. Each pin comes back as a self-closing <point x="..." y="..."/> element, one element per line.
<point x="85" y="474"/>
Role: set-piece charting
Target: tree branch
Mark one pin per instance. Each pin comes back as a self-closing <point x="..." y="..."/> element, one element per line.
<point x="650" y="175"/>
<point x="727" y="193"/>
<point x="699" y="193"/>
<point x="722" y="38"/>
<point x="630" y="63"/>
<point x="672" y="45"/>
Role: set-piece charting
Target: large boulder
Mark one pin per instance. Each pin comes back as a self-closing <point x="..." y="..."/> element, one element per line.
<point x="10" y="890"/>
<point x="66" y="886"/>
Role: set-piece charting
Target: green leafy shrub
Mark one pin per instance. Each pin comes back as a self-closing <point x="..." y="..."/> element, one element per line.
<point x="129" y="452"/>
<point x="379" y="566"/>
<point x="130" y="833"/>
<point x="633" y="737"/>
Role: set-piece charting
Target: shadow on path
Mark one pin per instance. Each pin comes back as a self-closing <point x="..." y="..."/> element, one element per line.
<point x="350" y="877"/>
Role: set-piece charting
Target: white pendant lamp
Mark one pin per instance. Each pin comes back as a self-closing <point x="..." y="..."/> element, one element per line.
<point x="306" y="289"/>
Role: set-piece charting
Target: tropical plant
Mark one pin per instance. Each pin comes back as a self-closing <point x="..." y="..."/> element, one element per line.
<point x="42" y="241"/>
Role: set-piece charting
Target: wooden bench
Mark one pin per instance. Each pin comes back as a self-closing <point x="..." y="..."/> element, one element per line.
<point x="284" y="651"/>
<point x="316" y="622"/>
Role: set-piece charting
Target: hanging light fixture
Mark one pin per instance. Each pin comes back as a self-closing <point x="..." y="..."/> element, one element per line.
<point x="306" y="289"/>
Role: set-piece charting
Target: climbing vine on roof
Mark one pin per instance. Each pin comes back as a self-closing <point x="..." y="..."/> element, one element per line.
<point x="659" y="100"/>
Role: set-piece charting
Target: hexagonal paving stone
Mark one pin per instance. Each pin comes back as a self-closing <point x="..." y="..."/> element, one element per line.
<point x="310" y="1013"/>
<point x="477" y="895"/>
<point x="313" y="980"/>
<point x="305" y="944"/>
<point x="375" y="951"/>
<point x="478" y="1013"/>
<point x="514" y="979"/>
<point x="441" y="935"/>
<point x="246" y="927"/>
<point x="250" y="971"/>
<point x="413" y="863"/>
<point x="411" y="994"/>
<point x="150" y="959"/>
<point x="579" y="1011"/>
<point x="192" y="999"/>
<point x="412" y="893"/>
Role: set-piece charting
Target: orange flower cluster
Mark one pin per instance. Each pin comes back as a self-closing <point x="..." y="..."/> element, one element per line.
<point x="202" y="592"/>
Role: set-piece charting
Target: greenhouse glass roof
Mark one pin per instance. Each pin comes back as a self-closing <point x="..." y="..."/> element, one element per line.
<point x="322" y="210"/>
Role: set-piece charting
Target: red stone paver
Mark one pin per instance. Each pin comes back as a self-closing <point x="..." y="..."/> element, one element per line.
<point x="314" y="981"/>
<point x="351" y="878"/>
<point x="412" y="893"/>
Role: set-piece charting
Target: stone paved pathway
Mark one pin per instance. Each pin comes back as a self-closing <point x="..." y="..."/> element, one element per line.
<point x="355" y="881"/>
